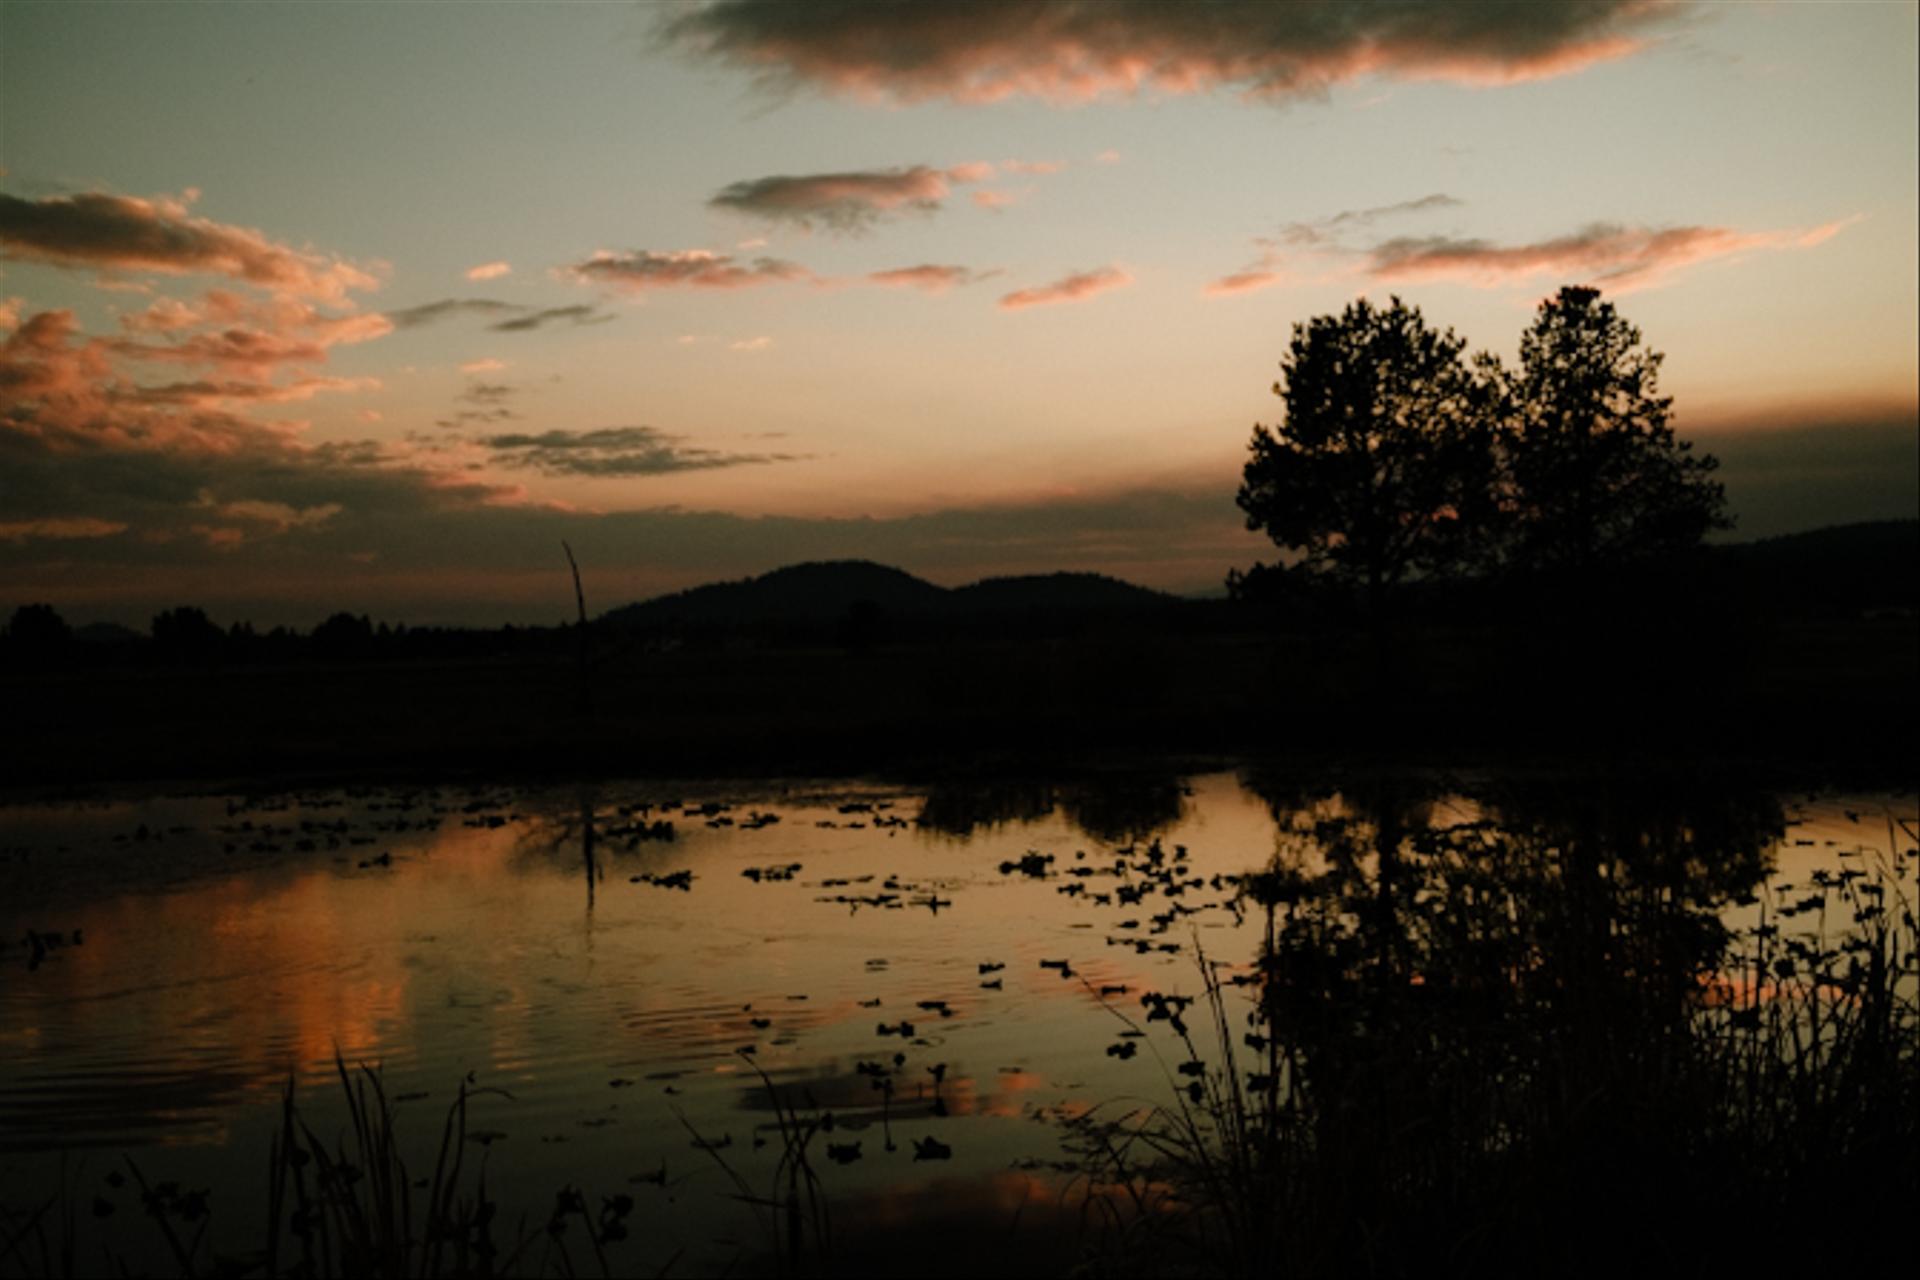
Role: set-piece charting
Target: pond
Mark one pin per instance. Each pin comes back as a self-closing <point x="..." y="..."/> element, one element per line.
<point x="628" y="976"/>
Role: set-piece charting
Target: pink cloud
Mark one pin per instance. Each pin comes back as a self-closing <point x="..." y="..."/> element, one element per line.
<point x="639" y="270"/>
<point x="248" y="351"/>
<point x="1622" y="258"/>
<point x="1067" y="51"/>
<point x="1072" y="288"/>
<point x="489" y="271"/>
<point x="123" y="233"/>
<point x="59" y="527"/>
<point x="995" y="199"/>
<point x="929" y="277"/>
<point x="61" y="391"/>
<point x="1243" y="282"/>
<point x="487" y="365"/>
<point x="163" y="315"/>
<point x="205" y="394"/>
<point x="1033" y="166"/>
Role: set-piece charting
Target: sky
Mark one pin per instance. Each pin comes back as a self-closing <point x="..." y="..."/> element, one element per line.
<point x="321" y="306"/>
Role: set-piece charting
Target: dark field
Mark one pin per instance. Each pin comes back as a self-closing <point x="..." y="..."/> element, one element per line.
<point x="1840" y="693"/>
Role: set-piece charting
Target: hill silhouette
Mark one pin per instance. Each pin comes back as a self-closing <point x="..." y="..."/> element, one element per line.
<point x="826" y="591"/>
<point x="1836" y="570"/>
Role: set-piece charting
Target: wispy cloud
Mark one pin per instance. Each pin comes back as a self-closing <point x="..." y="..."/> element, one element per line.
<point x="930" y="277"/>
<point x="1066" y="51"/>
<point x="850" y="201"/>
<point x="578" y="313"/>
<point x="1248" y="280"/>
<point x="489" y="271"/>
<point x="110" y="233"/>
<point x="1620" y="257"/>
<point x="59" y="528"/>
<point x="520" y="317"/>
<point x="639" y="270"/>
<point x="614" y="451"/>
<point x="1321" y="230"/>
<point x="1072" y="288"/>
<point x="446" y="308"/>
<point x="488" y="365"/>
<point x="1263" y="272"/>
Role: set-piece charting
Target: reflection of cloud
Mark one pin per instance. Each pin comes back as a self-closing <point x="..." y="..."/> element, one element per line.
<point x="1078" y="50"/>
<point x="850" y="201"/>
<point x="123" y="233"/>
<point x="614" y="451"/>
<point x="1622" y="258"/>
<point x="1073" y="288"/>
<point x="642" y="269"/>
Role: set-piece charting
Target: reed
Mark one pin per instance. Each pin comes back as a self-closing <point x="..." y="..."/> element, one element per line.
<point x="1528" y="1067"/>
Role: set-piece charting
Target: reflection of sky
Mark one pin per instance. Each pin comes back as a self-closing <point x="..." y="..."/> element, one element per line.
<point x="198" y="989"/>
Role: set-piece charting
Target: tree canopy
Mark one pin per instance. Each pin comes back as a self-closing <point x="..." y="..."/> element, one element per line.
<point x="1400" y="458"/>
<point x="1383" y="456"/>
<point x="1593" y="475"/>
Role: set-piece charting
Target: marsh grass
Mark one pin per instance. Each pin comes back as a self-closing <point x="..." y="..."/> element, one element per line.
<point x="349" y="1206"/>
<point x="1493" y="1055"/>
<point x="793" y="1212"/>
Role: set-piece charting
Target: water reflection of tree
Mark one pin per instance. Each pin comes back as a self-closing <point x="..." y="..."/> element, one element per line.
<point x="1112" y="809"/>
<point x="1455" y="999"/>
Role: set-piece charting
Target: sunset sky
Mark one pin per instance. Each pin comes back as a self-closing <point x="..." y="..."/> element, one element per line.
<point x="307" y="307"/>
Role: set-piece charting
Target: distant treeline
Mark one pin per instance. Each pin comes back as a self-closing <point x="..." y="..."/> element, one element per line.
<point x="1844" y="572"/>
<point x="38" y="635"/>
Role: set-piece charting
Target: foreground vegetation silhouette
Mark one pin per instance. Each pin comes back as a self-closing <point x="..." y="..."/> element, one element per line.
<point x="1527" y="1042"/>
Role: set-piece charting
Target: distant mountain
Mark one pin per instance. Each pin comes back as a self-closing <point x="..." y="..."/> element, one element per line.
<point x="1055" y="593"/>
<point x="829" y="591"/>
<point x="1840" y="569"/>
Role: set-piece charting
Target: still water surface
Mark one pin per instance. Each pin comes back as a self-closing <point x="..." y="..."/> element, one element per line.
<point x="227" y="943"/>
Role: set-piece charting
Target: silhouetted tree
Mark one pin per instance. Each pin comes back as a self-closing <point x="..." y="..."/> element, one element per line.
<point x="1594" y="478"/>
<point x="186" y="634"/>
<point x="344" y="636"/>
<point x="38" y="634"/>
<point x="1382" y="467"/>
